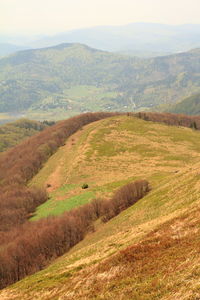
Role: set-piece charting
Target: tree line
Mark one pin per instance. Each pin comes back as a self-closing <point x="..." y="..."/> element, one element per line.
<point x="171" y="119"/>
<point x="31" y="246"/>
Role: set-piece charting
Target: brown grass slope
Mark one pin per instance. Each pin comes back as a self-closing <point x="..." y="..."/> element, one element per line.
<point x="150" y="250"/>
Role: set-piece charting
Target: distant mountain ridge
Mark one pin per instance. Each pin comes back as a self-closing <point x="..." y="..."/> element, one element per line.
<point x="76" y="78"/>
<point x="6" y="49"/>
<point x="140" y="37"/>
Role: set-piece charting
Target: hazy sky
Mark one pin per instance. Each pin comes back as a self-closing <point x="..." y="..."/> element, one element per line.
<point x="51" y="16"/>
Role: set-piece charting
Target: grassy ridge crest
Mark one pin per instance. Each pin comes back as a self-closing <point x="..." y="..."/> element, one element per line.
<point x="106" y="155"/>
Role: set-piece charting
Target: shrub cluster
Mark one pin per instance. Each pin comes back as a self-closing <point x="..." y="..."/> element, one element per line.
<point x="33" y="245"/>
<point x="124" y="198"/>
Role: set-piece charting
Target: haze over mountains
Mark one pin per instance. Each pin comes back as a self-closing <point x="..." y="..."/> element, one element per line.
<point x="6" y="49"/>
<point x="135" y="37"/>
<point x="149" y="39"/>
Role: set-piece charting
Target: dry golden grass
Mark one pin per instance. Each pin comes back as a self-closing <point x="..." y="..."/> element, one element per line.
<point x="151" y="250"/>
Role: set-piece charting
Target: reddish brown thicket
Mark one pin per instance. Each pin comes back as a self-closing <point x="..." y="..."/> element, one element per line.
<point x="33" y="245"/>
<point x="16" y="205"/>
<point x="19" y="164"/>
<point x="123" y="198"/>
<point x="171" y="119"/>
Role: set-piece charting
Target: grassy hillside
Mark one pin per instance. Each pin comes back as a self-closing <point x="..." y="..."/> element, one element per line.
<point x="13" y="133"/>
<point x="63" y="80"/>
<point x="162" y="228"/>
<point x="190" y="106"/>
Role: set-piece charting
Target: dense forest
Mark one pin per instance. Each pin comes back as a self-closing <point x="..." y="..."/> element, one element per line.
<point x="75" y="78"/>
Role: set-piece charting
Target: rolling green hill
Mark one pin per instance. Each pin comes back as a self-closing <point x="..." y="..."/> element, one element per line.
<point x="190" y="106"/>
<point x="13" y="133"/>
<point x="151" y="250"/>
<point x="69" y="78"/>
